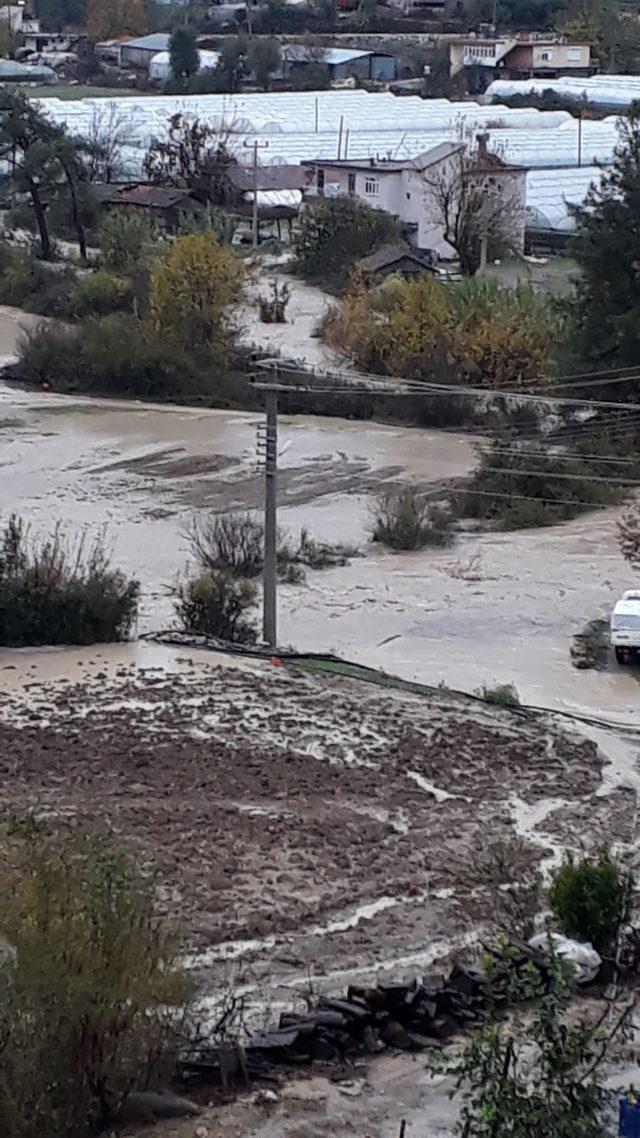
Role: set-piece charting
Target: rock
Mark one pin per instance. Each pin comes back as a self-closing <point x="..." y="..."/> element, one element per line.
<point x="394" y="1035"/>
<point x="265" y="1097"/>
<point x="145" y="1106"/>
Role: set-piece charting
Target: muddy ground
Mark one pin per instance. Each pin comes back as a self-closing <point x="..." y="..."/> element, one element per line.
<point x="306" y="832"/>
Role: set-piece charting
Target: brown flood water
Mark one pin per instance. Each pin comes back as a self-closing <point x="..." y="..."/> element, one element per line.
<point x="494" y="608"/>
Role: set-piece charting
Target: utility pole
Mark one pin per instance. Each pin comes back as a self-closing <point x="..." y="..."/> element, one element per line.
<point x="580" y="139"/>
<point x="268" y="451"/>
<point x="255" y="146"/>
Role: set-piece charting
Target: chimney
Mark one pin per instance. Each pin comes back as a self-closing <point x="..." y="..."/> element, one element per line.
<point x="482" y="140"/>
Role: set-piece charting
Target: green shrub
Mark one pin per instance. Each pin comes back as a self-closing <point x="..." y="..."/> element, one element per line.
<point x="28" y="283"/>
<point x="85" y="998"/>
<point x="335" y="233"/>
<point x="54" y="592"/>
<point x="99" y="293"/>
<point x="234" y="542"/>
<point x="125" y="240"/>
<point x="215" y="603"/>
<point x="589" y="899"/>
<point x="408" y="521"/>
<point x="503" y="695"/>
<point x="516" y="485"/>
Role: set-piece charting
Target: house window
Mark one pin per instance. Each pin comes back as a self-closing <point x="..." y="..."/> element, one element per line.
<point x="351" y="183"/>
<point x="320" y="181"/>
<point x="574" y="55"/>
<point x="372" y="187"/>
<point x="546" y="56"/>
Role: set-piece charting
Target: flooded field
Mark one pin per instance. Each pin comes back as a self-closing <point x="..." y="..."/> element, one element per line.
<point x="493" y="608"/>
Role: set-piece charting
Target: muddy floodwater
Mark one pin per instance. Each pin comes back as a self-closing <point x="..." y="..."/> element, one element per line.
<point x="493" y="608"/>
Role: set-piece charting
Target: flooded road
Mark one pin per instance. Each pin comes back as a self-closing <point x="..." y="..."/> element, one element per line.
<point x="492" y="609"/>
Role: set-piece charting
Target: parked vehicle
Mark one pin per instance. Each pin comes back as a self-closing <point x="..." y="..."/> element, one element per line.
<point x="625" y="626"/>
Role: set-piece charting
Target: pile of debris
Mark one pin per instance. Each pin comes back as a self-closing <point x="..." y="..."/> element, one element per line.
<point x="410" y="1017"/>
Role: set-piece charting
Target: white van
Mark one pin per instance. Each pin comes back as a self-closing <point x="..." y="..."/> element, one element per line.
<point x="625" y="626"/>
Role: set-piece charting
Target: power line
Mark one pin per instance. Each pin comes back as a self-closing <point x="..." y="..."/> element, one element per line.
<point x="515" y="472"/>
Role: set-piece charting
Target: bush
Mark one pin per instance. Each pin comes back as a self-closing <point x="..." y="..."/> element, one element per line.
<point x="215" y="603"/>
<point x="125" y="240"/>
<point x="99" y="293"/>
<point x="407" y="521"/>
<point x="334" y="233"/>
<point x="589" y="899"/>
<point x="473" y="332"/>
<point x="503" y="695"/>
<point x="235" y="543"/>
<point x="273" y="308"/>
<point x="28" y="283"/>
<point x="54" y="592"/>
<point x="123" y="356"/>
<point x="516" y="486"/>
<point x="85" y="998"/>
<point x="232" y="542"/>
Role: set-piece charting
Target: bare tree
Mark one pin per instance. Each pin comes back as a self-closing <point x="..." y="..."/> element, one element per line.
<point x="629" y="535"/>
<point x="472" y="198"/>
<point x="106" y="138"/>
<point x="194" y="155"/>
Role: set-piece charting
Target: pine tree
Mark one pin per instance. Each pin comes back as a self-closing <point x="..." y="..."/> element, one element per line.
<point x="183" y="52"/>
<point x="608" y="251"/>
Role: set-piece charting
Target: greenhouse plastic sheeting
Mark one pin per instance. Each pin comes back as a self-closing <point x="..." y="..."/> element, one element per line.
<point x="617" y="91"/>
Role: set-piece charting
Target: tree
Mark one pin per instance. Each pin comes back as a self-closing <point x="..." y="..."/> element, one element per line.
<point x="108" y="19"/>
<point x="192" y="290"/>
<point x="26" y="140"/>
<point x="104" y="142"/>
<point x="193" y="155"/>
<point x="539" y="1075"/>
<point x="183" y="52"/>
<point x="613" y="34"/>
<point x="263" y="58"/>
<point x="607" y="248"/>
<point x="629" y="535"/>
<point x="230" y="69"/>
<point x="55" y="15"/>
<point x="335" y="233"/>
<point x="460" y="204"/>
<point x="274" y="18"/>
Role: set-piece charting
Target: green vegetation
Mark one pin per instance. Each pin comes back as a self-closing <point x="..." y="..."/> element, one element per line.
<point x="473" y="332"/>
<point x="335" y="233"/>
<point x="52" y="592"/>
<point x="89" y="999"/>
<point x="183" y="52"/>
<point x="406" y="520"/>
<point x="589" y="898"/>
<point x="541" y="1071"/>
<point x="503" y="695"/>
<point x="216" y="603"/>
<point x="100" y="293"/>
<point x="517" y="485"/>
<point x="607" y="249"/>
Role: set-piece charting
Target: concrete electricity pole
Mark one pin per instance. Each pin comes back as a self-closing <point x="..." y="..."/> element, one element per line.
<point x="268" y="450"/>
<point x="255" y="146"/>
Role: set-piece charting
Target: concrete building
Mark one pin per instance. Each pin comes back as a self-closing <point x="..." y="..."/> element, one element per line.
<point x="19" y="18"/>
<point x="520" y="57"/>
<point x="139" y="52"/>
<point x="342" y="62"/>
<point x="412" y="190"/>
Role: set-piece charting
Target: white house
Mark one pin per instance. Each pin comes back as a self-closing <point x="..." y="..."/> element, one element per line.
<point x="414" y="190"/>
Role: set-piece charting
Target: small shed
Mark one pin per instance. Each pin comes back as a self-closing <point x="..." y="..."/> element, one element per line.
<point x="161" y="204"/>
<point x="396" y="260"/>
<point x="139" y="52"/>
<point x="341" y="62"/>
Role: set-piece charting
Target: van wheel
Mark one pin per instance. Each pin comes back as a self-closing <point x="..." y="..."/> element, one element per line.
<point x="621" y="655"/>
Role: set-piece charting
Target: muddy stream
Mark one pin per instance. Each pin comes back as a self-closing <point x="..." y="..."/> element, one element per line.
<point x="493" y="608"/>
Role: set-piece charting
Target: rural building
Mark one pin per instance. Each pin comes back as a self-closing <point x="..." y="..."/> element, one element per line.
<point x="160" y="64"/>
<point x="139" y="52"/>
<point x="161" y="204"/>
<point x="342" y="62"/>
<point x="19" y="18"/>
<point x="405" y="188"/>
<point x="395" y="260"/>
<point x="519" y="57"/>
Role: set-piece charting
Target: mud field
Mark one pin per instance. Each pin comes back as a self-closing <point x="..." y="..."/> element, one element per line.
<point x="304" y="820"/>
